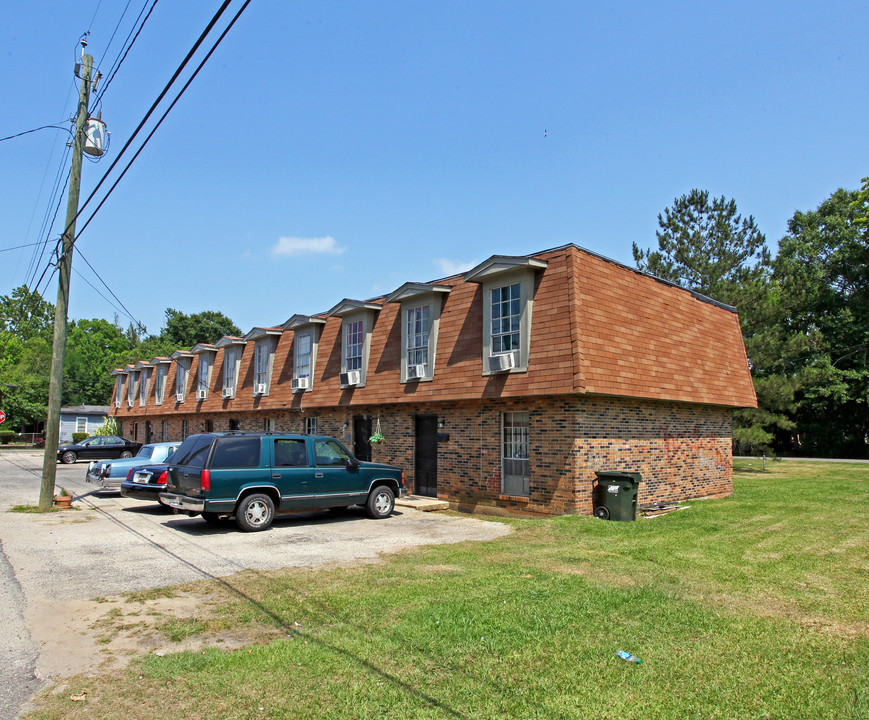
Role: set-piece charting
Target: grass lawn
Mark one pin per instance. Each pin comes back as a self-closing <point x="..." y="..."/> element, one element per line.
<point x="755" y="606"/>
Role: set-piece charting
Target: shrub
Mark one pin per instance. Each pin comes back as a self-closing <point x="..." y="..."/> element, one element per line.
<point x="7" y="436"/>
<point x="78" y="437"/>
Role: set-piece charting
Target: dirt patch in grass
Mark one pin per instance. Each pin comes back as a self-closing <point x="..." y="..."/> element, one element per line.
<point x="103" y="634"/>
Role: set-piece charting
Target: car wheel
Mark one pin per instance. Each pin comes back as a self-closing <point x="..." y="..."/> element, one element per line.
<point x="68" y="458"/>
<point x="126" y="454"/>
<point x="255" y="512"/>
<point x="380" y="503"/>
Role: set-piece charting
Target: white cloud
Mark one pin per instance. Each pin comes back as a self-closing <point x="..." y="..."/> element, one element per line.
<point x="306" y="246"/>
<point x="453" y="267"/>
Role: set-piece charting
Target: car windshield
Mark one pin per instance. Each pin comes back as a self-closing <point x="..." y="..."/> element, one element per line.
<point x="145" y="451"/>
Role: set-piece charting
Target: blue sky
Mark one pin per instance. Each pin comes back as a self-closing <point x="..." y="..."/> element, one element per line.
<point x="339" y="149"/>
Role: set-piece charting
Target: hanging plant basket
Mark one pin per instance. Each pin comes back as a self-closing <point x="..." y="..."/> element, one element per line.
<point x="377" y="438"/>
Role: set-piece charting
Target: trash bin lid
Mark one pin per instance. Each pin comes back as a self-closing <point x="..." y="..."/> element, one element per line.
<point x="633" y="477"/>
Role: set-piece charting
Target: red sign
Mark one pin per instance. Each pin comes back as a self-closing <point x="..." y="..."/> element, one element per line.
<point x="2" y="416"/>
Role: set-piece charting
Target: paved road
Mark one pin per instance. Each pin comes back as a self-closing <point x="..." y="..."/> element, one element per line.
<point x="112" y="545"/>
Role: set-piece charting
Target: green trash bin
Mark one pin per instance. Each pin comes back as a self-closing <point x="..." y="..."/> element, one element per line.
<point x="614" y="496"/>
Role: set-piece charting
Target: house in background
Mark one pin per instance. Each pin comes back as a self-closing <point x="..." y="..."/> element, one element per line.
<point x="81" y="419"/>
<point x="503" y="389"/>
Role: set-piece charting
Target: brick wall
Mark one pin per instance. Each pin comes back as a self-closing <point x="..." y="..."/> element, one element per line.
<point x="682" y="450"/>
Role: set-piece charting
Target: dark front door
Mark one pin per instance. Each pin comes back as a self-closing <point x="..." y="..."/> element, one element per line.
<point x="361" y="433"/>
<point x="426" y="457"/>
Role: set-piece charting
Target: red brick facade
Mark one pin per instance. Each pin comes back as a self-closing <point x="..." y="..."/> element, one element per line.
<point x="625" y="372"/>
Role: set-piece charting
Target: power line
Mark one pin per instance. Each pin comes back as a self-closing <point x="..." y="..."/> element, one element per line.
<point x="18" y="247"/>
<point x="27" y="132"/>
<point x="93" y="269"/>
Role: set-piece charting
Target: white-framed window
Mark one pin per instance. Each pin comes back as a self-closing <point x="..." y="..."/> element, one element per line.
<point x="202" y="373"/>
<point x="515" y="464"/>
<point x="354" y="338"/>
<point x="164" y="434"/>
<point x="418" y="328"/>
<point x="508" y="299"/>
<point x="160" y="383"/>
<point x="506" y="315"/>
<point x="144" y="383"/>
<point x="230" y="364"/>
<point x="268" y="424"/>
<point x="304" y="349"/>
<point x="262" y="366"/>
<point x="120" y="389"/>
<point x="81" y="424"/>
<point x="181" y="373"/>
<point x="310" y="426"/>
<point x="132" y="388"/>
<point x="185" y="429"/>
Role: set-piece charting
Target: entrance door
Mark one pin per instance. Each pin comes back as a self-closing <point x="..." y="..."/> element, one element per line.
<point x="426" y="456"/>
<point x="361" y="433"/>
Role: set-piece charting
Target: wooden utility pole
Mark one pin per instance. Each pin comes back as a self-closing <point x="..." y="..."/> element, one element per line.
<point x="64" y="267"/>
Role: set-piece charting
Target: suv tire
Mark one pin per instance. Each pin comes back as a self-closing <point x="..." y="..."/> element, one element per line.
<point x="255" y="512"/>
<point x="380" y="503"/>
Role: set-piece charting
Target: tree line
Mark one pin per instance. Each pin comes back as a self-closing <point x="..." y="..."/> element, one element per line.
<point x="804" y="312"/>
<point x="94" y="348"/>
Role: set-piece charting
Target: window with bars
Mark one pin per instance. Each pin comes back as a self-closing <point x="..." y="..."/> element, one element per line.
<point x="515" y="466"/>
<point x="506" y="318"/>
<point x="303" y="352"/>
<point x="268" y="424"/>
<point x="310" y="426"/>
<point x="353" y="339"/>
<point x="185" y="429"/>
<point x="417" y="335"/>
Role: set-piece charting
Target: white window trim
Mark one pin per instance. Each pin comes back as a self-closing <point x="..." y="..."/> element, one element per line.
<point x="144" y="384"/>
<point x="231" y="359"/>
<point x="269" y="343"/>
<point x="513" y="442"/>
<point x="312" y="332"/>
<point x="182" y="377"/>
<point x="433" y="302"/>
<point x="132" y="387"/>
<point x="525" y="279"/>
<point x="203" y="380"/>
<point x="160" y="374"/>
<point x="78" y="427"/>
<point x="351" y="311"/>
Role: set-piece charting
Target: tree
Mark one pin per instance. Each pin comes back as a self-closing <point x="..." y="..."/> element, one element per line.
<point x="93" y="349"/>
<point x="185" y="331"/>
<point x="25" y="314"/>
<point x="823" y="271"/>
<point x="709" y="248"/>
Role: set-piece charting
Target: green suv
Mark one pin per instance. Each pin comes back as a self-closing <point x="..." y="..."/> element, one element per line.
<point x="251" y="476"/>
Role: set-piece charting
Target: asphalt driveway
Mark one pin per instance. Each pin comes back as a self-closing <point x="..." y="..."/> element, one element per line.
<point x="110" y="545"/>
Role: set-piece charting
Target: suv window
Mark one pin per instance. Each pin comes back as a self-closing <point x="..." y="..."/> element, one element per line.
<point x="290" y="453"/>
<point x="193" y="450"/>
<point x="330" y="452"/>
<point x="236" y="452"/>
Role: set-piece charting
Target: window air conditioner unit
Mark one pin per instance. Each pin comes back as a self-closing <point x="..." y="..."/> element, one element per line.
<point x="227" y="393"/>
<point x="117" y="403"/>
<point x="350" y="378"/>
<point x="129" y="403"/>
<point x="259" y="389"/>
<point x="201" y="394"/>
<point x="299" y="384"/>
<point x="179" y="397"/>
<point x="502" y="363"/>
<point x="415" y="372"/>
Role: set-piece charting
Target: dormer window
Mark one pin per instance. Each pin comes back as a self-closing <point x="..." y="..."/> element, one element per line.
<point x="204" y="364"/>
<point x="232" y="349"/>
<point x="508" y="292"/>
<point x="265" y="342"/>
<point x="420" y="319"/>
<point x="183" y="361"/>
<point x="132" y="387"/>
<point x="357" y="323"/>
<point x="144" y="381"/>
<point x="120" y="386"/>
<point x="161" y="370"/>
<point x="306" y="339"/>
